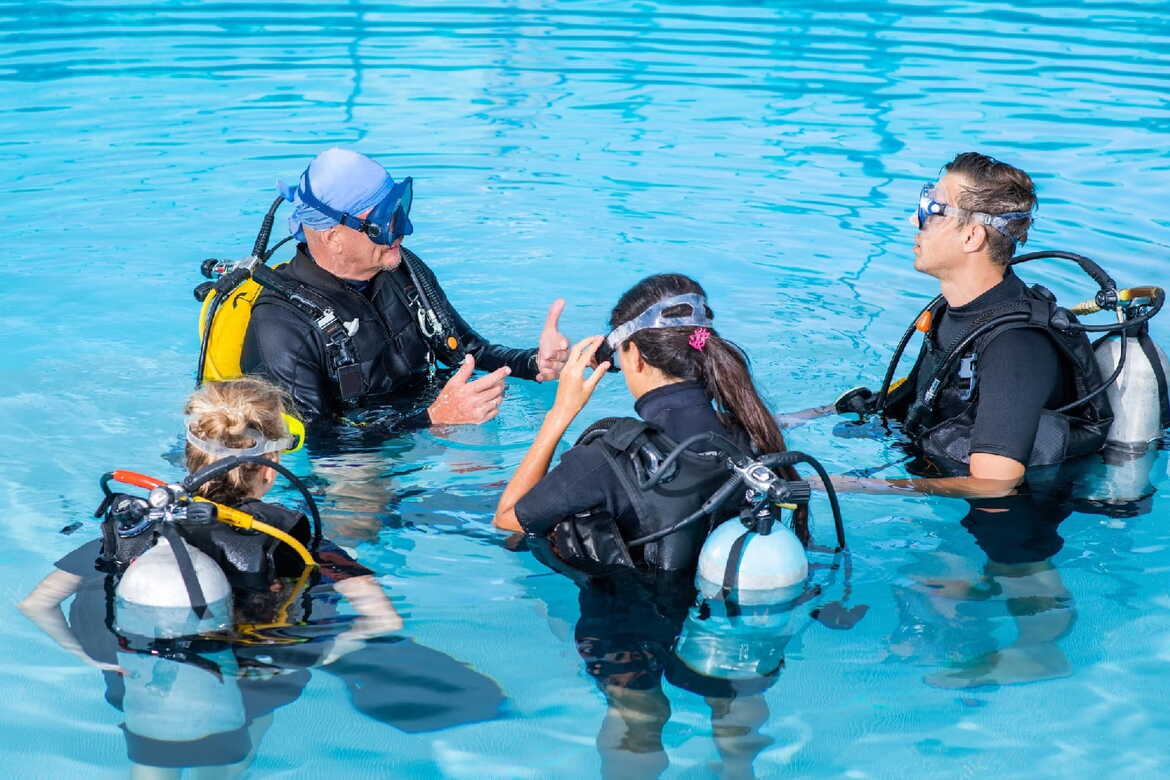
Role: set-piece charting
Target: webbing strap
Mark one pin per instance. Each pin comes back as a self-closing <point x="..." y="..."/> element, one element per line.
<point x="344" y="365"/>
<point x="731" y="573"/>
<point x="187" y="570"/>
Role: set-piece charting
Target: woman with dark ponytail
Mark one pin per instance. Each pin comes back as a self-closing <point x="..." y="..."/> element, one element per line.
<point x="686" y="380"/>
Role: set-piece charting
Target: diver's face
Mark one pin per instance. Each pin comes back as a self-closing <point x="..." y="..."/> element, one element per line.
<point x="938" y="246"/>
<point x="363" y="256"/>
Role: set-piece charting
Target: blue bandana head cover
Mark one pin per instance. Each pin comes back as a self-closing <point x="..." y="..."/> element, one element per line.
<point x="341" y="183"/>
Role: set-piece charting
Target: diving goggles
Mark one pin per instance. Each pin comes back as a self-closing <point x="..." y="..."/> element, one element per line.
<point x="929" y="207"/>
<point x="293" y="441"/>
<point x="653" y="317"/>
<point x="387" y="222"/>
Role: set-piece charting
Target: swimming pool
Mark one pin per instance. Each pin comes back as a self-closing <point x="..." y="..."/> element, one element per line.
<point x="772" y="150"/>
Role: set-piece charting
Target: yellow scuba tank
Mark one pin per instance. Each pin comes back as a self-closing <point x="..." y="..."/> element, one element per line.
<point x="221" y="342"/>
<point x="225" y="338"/>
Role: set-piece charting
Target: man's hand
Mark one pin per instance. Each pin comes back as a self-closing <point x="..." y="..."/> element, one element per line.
<point x="553" y="349"/>
<point x="469" y="403"/>
<point x="575" y="387"/>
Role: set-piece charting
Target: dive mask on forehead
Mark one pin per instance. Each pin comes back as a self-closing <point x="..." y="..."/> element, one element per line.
<point x="653" y="317"/>
<point x="291" y="442"/>
<point x="929" y="207"/>
<point x="387" y="221"/>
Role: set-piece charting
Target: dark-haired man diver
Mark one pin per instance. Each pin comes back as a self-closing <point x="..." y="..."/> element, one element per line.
<point x="998" y="410"/>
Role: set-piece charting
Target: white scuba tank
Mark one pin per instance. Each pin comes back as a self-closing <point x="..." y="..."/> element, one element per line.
<point x="169" y="699"/>
<point x="772" y="568"/>
<point x="748" y="641"/>
<point x="1134" y="396"/>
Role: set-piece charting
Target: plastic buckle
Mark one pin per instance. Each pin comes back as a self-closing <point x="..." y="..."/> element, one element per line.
<point x="326" y="319"/>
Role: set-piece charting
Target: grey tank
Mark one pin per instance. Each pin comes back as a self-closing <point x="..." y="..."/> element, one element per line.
<point x="1134" y="397"/>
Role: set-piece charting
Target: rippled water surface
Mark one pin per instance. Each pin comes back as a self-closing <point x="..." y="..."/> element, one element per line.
<point x="773" y="150"/>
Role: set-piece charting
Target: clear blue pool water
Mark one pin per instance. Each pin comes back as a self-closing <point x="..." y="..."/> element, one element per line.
<point x="772" y="150"/>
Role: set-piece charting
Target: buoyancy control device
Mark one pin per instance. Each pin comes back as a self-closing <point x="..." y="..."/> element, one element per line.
<point x="1132" y="367"/>
<point x="752" y="570"/>
<point x="235" y="285"/>
<point x="133" y="526"/>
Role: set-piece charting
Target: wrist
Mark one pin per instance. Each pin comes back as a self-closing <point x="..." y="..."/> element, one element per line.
<point x="558" y="418"/>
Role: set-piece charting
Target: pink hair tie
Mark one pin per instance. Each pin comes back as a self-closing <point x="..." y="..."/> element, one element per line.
<point x="698" y="339"/>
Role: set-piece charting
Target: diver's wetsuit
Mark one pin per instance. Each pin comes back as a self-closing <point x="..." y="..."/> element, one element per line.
<point x="1017" y="375"/>
<point x="283" y="344"/>
<point x="584" y="480"/>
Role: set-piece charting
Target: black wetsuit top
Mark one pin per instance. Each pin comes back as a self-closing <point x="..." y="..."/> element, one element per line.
<point x="282" y="344"/>
<point x="1017" y="375"/>
<point x="583" y="480"/>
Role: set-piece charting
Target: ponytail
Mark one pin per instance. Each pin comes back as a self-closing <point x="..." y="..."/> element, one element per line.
<point x="718" y="364"/>
<point x="725" y="373"/>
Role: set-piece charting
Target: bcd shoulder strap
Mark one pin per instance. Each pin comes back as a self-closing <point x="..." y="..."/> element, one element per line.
<point x="344" y="362"/>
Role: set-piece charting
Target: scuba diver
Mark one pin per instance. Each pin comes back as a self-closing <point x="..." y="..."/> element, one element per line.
<point x="205" y="606"/>
<point x="628" y="514"/>
<point x="356" y="320"/>
<point x="1007" y="379"/>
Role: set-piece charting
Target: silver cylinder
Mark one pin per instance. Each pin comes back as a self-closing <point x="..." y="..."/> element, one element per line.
<point x="1137" y="412"/>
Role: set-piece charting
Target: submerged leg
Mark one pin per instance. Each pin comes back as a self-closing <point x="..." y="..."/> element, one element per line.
<point x="736" y="724"/>
<point x="630" y="739"/>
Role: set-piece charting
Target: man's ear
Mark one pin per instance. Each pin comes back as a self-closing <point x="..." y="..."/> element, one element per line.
<point x="975" y="237"/>
<point x="332" y="238"/>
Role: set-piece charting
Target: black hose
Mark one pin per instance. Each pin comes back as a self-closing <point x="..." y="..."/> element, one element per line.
<point x="268" y="255"/>
<point x="213" y="470"/>
<point x="724" y="445"/>
<point x="261" y="244"/>
<point x="787" y="458"/>
<point x="1104" y="385"/>
<point x="883" y="394"/>
<point x="791" y="458"/>
<point x="428" y="296"/>
<point x="1095" y="272"/>
<point x="709" y="506"/>
<point x="212" y="308"/>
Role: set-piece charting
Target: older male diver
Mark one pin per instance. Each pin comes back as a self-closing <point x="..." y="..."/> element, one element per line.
<point x="356" y="320"/>
<point x="1006" y="378"/>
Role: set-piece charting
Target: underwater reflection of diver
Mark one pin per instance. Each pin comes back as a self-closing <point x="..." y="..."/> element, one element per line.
<point x="1116" y="483"/>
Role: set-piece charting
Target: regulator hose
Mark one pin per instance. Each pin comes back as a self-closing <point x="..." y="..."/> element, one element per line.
<point x="740" y="464"/>
<point x="209" y="472"/>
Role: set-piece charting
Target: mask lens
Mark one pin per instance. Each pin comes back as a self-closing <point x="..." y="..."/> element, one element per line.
<point x="606" y="352"/>
<point x="399" y="223"/>
<point x="388" y="221"/>
<point x="923" y="206"/>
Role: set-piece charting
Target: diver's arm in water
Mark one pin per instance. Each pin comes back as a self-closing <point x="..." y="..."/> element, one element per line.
<point x="573" y="391"/>
<point x="793" y="419"/>
<point x="992" y="476"/>
<point x="43" y="607"/>
<point x="377" y="616"/>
